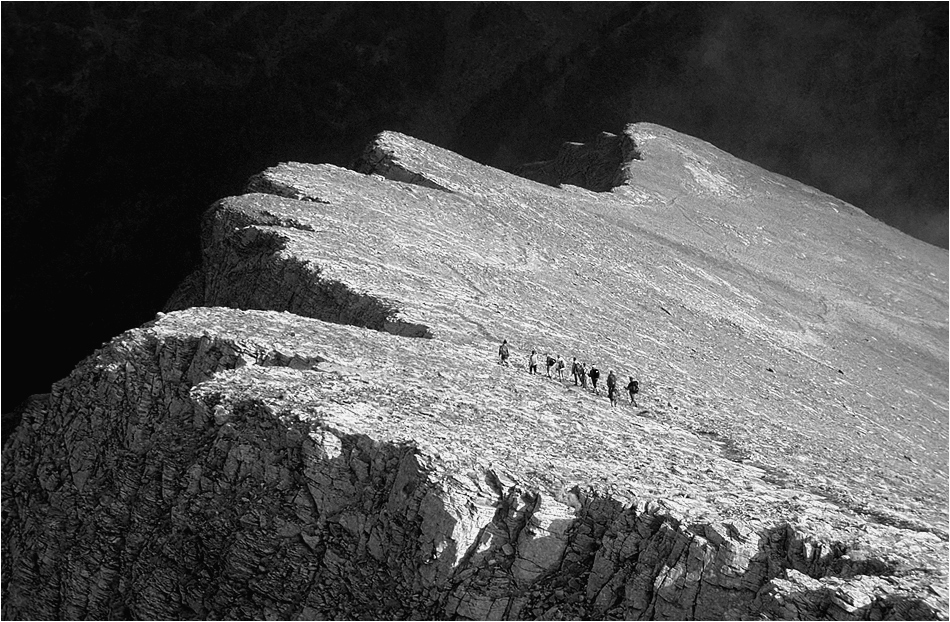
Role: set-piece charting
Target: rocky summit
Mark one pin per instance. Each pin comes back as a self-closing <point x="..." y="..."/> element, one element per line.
<point x="318" y="426"/>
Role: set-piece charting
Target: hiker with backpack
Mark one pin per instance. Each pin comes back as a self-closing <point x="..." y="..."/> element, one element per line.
<point x="560" y="368"/>
<point x="582" y="372"/>
<point x="504" y="353"/>
<point x="550" y="361"/>
<point x="612" y="387"/>
<point x="633" y="387"/>
<point x="575" y="371"/>
<point x="594" y="374"/>
<point x="533" y="362"/>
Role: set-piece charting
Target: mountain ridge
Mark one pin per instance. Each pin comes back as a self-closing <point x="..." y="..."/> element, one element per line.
<point x="760" y="476"/>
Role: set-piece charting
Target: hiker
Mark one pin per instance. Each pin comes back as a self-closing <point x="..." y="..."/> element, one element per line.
<point x="612" y="387"/>
<point x="575" y="370"/>
<point x="533" y="362"/>
<point x="550" y="361"/>
<point x="503" y="352"/>
<point x="594" y="374"/>
<point x="560" y="368"/>
<point x="633" y="388"/>
<point x="582" y="372"/>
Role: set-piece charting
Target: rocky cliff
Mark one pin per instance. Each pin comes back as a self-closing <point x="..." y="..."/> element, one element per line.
<point x="318" y="428"/>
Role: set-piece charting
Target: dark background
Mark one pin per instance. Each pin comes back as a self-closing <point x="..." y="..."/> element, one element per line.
<point x="123" y="121"/>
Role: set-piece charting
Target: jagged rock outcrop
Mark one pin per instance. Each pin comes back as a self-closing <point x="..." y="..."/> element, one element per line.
<point x="597" y="166"/>
<point x="260" y="453"/>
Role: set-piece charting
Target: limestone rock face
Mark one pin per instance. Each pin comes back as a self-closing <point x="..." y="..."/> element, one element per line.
<point x="319" y="428"/>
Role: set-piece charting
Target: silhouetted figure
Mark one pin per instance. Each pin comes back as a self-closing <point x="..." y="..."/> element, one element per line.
<point x="582" y="372"/>
<point x="503" y="352"/>
<point x="560" y="368"/>
<point x="633" y="387"/>
<point x="612" y="387"/>
<point x="533" y="362"/>
<point x="594" y="374"/>
<point x="576" y="371"/>
<point x="549" y="361"/>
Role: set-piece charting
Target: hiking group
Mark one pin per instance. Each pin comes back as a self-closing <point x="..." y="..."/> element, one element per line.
<point x="579" y="372"/>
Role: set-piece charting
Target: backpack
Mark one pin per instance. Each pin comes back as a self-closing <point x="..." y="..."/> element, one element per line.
<point x="560" y="364"/>
<point x="551" y="361"/>
<point x="636" y="387"/>
<point x="503" y="350"/>
<point x="611" y="381"/>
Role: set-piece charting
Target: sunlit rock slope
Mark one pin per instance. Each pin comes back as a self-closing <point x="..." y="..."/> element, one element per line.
<point x="319" y="427"/>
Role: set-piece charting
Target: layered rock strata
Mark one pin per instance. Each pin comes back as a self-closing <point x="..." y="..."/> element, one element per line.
<point x="281" y="447"/>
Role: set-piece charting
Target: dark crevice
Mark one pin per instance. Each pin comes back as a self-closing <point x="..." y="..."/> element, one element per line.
<point x="262" y="183"/>
<point x="882" y="517"/>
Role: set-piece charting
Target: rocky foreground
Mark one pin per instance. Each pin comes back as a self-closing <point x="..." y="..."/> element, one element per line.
<point x="318" y="427"/>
